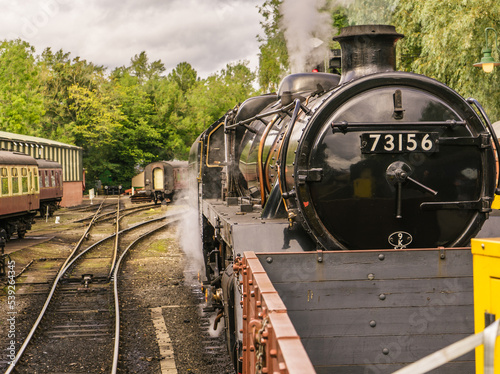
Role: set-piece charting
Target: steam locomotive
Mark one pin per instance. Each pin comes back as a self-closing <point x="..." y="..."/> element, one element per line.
<point x="374" y="159"/>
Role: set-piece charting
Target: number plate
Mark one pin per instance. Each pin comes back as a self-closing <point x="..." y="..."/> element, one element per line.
<point x="399" y="142"/>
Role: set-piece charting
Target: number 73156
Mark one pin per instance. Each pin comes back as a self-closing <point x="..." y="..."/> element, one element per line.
<point x="399" y="142"/>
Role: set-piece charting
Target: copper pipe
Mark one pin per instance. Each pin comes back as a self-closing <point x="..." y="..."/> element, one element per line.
<point x="259" y="160"/>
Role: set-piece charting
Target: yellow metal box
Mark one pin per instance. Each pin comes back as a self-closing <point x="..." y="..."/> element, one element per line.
<point x="486" y="259"/>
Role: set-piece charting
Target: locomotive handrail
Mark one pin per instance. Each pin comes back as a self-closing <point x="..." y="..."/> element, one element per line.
<point x="489" y="127"/>
<point x="259" y="159"/>
<point x="284" y="109"/>
<point x="487" y="337"/>
<point x="344" y="125"/>
<point x="284" y="147"/>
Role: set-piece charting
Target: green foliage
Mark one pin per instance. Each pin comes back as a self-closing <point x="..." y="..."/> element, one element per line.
<point x="138" y="114"/>
<point x="21" y="99"/>
<point x="443" y="39"/>
<point x="446" y="50"/>
<point x="273" y="56"/>
<point x="126" y="120"/>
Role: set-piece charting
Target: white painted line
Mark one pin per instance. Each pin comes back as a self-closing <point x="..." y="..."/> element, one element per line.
<point x="167" y="362"/>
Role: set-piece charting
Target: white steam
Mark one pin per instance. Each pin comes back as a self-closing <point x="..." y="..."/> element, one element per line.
<point x="190" y="240"/>
<point x="308" y="32"/>
<point x="308" y="29"/>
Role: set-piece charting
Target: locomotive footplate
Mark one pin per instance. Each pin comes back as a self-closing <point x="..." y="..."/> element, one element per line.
<point x="246" y="231"/>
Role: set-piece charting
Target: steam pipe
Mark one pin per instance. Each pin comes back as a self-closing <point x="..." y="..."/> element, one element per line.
<point x="283" y="149"/>
<point x="259" y="159"/>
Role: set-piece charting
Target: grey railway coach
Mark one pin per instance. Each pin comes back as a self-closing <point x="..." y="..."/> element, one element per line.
<point x="69" y="156"/>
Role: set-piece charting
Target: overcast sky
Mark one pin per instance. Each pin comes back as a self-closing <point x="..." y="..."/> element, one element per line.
<point x="206" y="33"/>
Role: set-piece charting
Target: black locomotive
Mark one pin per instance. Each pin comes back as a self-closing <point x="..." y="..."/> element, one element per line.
<point x="372" y="159"/>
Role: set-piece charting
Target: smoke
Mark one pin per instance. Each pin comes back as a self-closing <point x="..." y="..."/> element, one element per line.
<point x="308" y="29"/>
<point x="188" y="230"/>
<point x="307" y="32"/>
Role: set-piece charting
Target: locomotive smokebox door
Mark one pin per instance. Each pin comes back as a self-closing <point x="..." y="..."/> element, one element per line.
<point x="430" y="175"/>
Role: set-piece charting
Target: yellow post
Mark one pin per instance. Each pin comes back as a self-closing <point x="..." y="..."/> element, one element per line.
<point x="496" y="202"/>
<point x="486" y="259"/>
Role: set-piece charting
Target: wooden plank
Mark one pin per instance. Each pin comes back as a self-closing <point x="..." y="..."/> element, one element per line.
<point x="381" y="368"/>
<point x="369" y="350"/>
<point x="380" y="293"/>
<point x="388" y="321"/>
<point x="346" y="265"/>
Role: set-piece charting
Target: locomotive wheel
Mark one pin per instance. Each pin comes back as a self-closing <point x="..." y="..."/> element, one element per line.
<point x="229" y="320"/>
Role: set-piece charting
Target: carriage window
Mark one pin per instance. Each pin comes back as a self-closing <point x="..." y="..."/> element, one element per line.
<point x="53" y="178"/>
<point x="15" y="185"/>
<point x="35" y="182"/>
<point x="24" y="180"/>
<point x="14" y="172"/>
<point x="46" y="178"/>
<point x="5" y="186"/>
<point x="4" y="172"/>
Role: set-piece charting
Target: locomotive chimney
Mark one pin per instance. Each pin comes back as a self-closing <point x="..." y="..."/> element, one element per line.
<point x="367" y="49"/>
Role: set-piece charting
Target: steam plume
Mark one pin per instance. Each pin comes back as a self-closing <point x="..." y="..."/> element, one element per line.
<point x="307" y="33"/>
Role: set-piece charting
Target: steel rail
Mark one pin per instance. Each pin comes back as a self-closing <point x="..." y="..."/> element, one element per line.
<point x="110" y="215"/>
<point x="112" y="236"/>
<point x="61" y="272"/>
<point x="117" y="236"/>
<point x="115" y="288"/>
<point x="68" y="263"/>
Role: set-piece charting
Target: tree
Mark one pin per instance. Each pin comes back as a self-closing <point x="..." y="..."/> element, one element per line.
<point x="184" y="76"/>
<point x="96" y="128"/>
<point x="143" y="69"/>
<point x="60" y="74"/>
<point x="21" y="100"/>
<point x="273" y="56"/>
<point x="446" y="50"/>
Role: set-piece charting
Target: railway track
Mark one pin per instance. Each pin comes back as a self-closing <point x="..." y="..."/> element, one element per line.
<point x="79" y="325"/>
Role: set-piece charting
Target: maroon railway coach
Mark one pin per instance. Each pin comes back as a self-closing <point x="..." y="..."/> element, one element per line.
<point x="51" y="186"/>
<point x="19" y="193"/>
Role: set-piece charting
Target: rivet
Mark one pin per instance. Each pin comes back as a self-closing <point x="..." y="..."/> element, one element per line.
<point x="483" y="246"/>
<point x="373" y="323"/>
<point x="385" y="351"/>
<point x="269" y="259"/>
<point x="381" y="257"/>
<point x="381" y="296"/>
<point x="371" y="276"/>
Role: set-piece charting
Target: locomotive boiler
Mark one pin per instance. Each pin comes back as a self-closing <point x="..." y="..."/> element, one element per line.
<point x="374" y="162"/>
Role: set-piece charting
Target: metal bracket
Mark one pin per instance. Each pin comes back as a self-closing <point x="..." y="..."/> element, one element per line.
<point x="320" y="255"/>
<point x="398" y="105"/>
<point x="489" y="318"/>
<point x="442" y="254"/>
<point x="311" y="175"/>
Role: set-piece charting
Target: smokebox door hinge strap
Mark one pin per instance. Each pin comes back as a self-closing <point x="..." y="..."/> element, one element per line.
<point x="311" y="175"/>
<point x="398" y="105"/>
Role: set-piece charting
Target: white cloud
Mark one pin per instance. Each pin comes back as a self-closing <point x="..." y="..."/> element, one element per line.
<point x="206" y="33"/>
